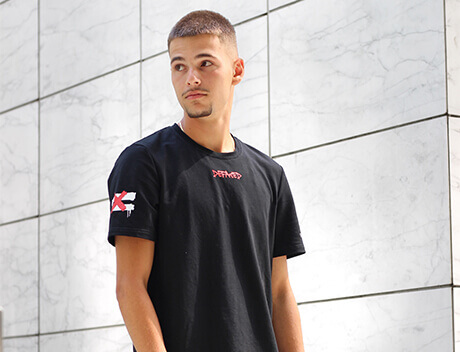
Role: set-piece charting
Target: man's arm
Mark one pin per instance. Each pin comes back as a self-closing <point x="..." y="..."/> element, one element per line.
<point x="286" y="317"/>
<point x="134" y="263"/>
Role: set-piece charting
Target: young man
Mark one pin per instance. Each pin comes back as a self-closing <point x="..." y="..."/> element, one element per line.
<point x="203" y="223"/>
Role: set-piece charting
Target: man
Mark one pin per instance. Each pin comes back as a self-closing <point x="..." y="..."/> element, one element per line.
<point x="203" y="223"/>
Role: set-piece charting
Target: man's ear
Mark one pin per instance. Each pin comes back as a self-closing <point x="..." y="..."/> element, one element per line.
<point x="238" y="71"/>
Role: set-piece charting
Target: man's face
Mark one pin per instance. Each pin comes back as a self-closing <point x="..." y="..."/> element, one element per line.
<point x="203" y="74"/>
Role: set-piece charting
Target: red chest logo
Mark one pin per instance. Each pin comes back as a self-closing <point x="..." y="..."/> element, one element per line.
<point x="226" y="174"/>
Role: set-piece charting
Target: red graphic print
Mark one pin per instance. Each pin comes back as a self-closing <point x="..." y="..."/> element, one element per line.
<point x="117" y="201"/>
<point x="226" y="174"/>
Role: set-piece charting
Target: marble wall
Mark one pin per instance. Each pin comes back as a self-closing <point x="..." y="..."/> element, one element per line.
<point x="358" y="101"/>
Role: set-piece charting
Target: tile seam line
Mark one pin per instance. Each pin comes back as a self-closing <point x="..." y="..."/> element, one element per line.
<point x="38" y="169"/>
<point x="72" y="86"/>
<point x="449" y="183"/>
<point x="19" y="106"/>
<point x="75" y="207"/>
<point x="256" y="17"/>
<point x="386" y="129"/>
<point x="90" y="80"/>
<point x="65" y="331"/>
<point x="446" y="70"/>
<point x="451" y="235"/>
<point x="285" y="5"/>
<point x="82" y="82"/>
<point x="54" y="212"/>
<point x="377" y="294"/>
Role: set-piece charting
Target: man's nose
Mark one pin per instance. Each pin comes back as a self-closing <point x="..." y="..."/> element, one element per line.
<point x="192" y="78"/>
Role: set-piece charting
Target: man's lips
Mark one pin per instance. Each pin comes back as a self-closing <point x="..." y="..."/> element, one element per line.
<point x="194" y="94"/>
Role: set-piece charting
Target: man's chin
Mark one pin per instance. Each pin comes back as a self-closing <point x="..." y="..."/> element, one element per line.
<point x="199" y="114"/>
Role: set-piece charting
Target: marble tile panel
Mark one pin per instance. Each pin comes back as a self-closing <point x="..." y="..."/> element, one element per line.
<point x="413" y="321"/>
<point x="77" y="270"/>
<point x="353" y="67"/>
<point x="101" y="340"/>
<point x="454" y="141"/>
<point x="83" y="130"/>
<point x="85" y="38"/>
<point x="22" y="344"/>
<point x="250" y="106"/>
<point x="453" y="55"/>
<point x="19" y="163"/>
<point x="158" y="18"/>
<point x="19" y="53"/>
<point x="456" y="291"/>
<point x="160" y="107"/>
<point x="19" y="277"/>
<point x="374" y="213"/>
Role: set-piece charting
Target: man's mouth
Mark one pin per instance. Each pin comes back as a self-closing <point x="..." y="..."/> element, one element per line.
<point x="194" y="94"/>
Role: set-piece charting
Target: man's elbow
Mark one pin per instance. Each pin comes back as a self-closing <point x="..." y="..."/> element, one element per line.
<point x="126" y="288"/>
<point x="282" y="291"/>
<point x="121" y="290"/>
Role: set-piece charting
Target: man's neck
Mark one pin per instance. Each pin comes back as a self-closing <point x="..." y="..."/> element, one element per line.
<point x="209" y="133"/>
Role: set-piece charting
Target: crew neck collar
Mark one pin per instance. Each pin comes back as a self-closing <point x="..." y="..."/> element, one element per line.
<point x="207" y="151"/>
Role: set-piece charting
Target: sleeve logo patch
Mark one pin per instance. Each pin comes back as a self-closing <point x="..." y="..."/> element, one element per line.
<point x="226" y="174"/>
<point x="118" y="202"/>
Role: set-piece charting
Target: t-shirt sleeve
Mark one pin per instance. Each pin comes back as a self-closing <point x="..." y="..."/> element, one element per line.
<point x="288" y="240"/>
<point x="133" y="192"/>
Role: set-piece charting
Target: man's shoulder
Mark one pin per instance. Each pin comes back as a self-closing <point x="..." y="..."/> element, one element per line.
<point x="147" y="147"/>
<point x="262" y="159"/>
<point x="151" y="142"/>
<point x="157" y="138"/>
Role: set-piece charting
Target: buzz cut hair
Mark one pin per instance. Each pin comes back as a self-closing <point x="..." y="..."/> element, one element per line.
<point x="204" y="22"/>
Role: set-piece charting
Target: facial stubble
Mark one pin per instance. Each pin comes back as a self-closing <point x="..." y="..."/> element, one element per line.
<point x="198" y="114"/>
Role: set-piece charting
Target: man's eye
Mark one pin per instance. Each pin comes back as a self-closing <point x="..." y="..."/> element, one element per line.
<point x="179" y="67"/>
<point x="206" y="63"/>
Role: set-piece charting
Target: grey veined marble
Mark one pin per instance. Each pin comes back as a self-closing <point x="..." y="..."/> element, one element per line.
<point x="23" y="344"/>
<point x="19" y="163"/>
<point x="83" y="130"/>
<point x="343" y="68"/>
<point x="18" y="53"/>
<point x="101" y="340"/>
<point x="19" y="278"/>
<point x="77" y="270"/>
<point x="374" y="213"/>
<point x="85" y="38"/>
<point x="250" y="106"/>
<point x="454" y="129"/>
<point x="412" y="321"/>
<point x="453" y="55"/>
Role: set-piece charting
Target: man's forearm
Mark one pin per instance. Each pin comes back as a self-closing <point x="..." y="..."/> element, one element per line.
<point x="286" y="323"/>
<point x="141" y="319"/>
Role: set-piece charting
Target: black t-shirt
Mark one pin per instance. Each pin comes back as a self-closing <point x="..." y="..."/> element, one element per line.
<point x="217" y="220"/>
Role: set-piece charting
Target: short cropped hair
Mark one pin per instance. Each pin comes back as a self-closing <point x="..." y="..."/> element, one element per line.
<point x="203" y="22"/>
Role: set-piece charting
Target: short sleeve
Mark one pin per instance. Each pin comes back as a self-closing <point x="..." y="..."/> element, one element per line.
<point x="288" y="240"/>
<point x="133" y="192"/>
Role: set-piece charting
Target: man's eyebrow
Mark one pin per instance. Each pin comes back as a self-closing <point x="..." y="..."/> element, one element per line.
<point x="179" y="58"/>
<point x="176" y="58"/>
<point x="204" y="55"/>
